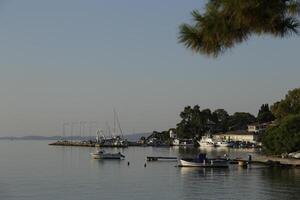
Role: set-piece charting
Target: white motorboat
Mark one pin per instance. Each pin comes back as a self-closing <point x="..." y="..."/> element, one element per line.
<point x="207" y="141"/>
<point x="224" y="144"/>
<point x="183" y="142"/>
<point x="203" y="162"/>
<point x="103" y="155"/>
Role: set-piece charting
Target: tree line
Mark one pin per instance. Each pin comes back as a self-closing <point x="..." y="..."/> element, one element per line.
<point x="283" y="136"/>
<point x="195" y="122"/>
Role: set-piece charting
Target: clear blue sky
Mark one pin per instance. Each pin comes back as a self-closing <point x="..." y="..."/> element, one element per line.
<point x="73" y="60"/>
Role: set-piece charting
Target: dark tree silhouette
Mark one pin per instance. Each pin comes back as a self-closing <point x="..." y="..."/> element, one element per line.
<point x="226" y="23"/>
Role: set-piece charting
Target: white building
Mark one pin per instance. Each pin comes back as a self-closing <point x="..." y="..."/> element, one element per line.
<point x="257" y="128"/>
<point x="172" y="134"/>
<point x="237" y="136"/>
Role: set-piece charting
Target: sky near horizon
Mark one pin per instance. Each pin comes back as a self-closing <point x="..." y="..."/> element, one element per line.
<point x="74" y="60"/>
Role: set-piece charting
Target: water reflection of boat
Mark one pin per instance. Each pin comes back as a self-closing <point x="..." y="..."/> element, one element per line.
<point x="192" y="172"/>
<point x="103" y="155"/>
<point x="202" y="161"/>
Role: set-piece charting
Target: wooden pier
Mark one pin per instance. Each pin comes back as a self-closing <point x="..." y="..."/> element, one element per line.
<point x="161" y="158"/>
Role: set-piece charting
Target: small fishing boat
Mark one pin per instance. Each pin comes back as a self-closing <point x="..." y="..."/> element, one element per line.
<point x="202" y="161"/>
<point x="103" y="155"/>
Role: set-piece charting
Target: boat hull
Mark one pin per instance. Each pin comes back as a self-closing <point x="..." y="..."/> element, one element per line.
<point x="205" y="164"/>
<point x="108" y="156"/>
<point x="203" y="144"/>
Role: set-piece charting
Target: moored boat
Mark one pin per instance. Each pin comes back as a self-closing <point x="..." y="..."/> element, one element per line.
<point x="207" y="141"/>
<point x="224" y="144"/>
<point x="103" y="155"/>
<point x="202" y="161"/>
<point x="183" y="142"/>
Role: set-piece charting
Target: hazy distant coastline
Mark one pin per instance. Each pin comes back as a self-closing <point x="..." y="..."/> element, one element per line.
<point x="130" y="137"/>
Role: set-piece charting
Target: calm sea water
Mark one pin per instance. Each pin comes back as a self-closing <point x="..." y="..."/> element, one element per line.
<point x="33" y="170"/>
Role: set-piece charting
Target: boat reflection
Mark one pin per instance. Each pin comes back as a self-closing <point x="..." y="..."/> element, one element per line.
<point x="202" y="172"/>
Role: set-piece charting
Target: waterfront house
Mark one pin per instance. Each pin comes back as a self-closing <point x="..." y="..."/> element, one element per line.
<point x="258" y="128"/>
<point x="238" y="136"/>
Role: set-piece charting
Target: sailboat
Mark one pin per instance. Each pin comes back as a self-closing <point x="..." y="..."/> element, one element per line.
<point x="116" y="140"/>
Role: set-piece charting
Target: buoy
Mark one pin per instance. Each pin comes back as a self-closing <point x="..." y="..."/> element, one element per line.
<point x="145" y="165"/>
<point x="128" y="163"/>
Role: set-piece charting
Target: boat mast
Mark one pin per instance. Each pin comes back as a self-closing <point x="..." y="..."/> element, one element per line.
<point x="108" y="129"/>
<point x="116" y="120"/>
<point x="64" y="131"/>
<point x="72" y="127"/>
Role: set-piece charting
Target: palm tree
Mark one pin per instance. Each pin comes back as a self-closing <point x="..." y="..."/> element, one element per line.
<point x="226" y="23"/>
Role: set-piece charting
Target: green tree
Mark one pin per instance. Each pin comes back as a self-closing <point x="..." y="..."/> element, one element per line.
<point x="193" y="122"/>
<point x="162" y="136"/>
<point x="264" y="114"/>
<point x="226" y="23"/>
<point x="287" y="106"/>
<point x="284" y="138"/>
<point x="221" y="117"/>
<point x="240" y="120"/>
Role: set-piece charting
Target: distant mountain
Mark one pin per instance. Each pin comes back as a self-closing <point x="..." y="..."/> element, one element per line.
<point x="31" y="137"/>
<point x="136" y="136"/>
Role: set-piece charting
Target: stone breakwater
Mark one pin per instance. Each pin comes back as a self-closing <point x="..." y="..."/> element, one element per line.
<point x="285" y="161"/>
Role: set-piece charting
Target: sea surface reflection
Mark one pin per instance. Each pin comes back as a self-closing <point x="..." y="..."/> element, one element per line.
<point x="33" y="170"/>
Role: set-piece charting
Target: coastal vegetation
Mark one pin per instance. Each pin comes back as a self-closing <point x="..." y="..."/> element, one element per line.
<point x="223" y="24"/>
<point x="284" y="137"/>
<point x="264" y="114"/>
<point x="195" y="122"/>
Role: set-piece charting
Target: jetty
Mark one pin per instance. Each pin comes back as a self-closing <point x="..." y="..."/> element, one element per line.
<point x="92" y="144"/>
<point x="161" y="158"/>
<point x="74" y="143"/>
<point x="268" y="161"/>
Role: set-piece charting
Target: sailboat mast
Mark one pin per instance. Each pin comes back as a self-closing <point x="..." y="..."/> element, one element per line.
<point x="114" y="121"/>
<point x="108" y="129"/>
<point x="64" y="131"/>
<point x="120" y="129"/>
